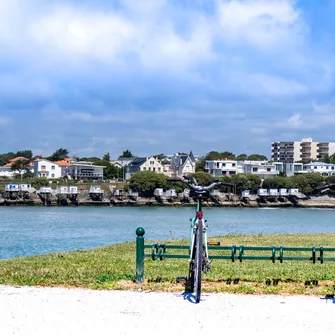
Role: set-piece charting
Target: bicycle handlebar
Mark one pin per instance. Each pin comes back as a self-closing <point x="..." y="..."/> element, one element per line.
<point x="193" y="183"/>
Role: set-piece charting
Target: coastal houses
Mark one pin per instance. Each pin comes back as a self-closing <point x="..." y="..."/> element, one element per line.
<point x="143" y="164"/>
<point x="182" y="164"/>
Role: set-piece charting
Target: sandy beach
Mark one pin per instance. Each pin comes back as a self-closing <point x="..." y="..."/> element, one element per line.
<point x="30" y="310"/>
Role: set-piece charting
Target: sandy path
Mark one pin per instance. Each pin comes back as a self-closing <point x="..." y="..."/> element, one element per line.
<point x="48" y="311"/>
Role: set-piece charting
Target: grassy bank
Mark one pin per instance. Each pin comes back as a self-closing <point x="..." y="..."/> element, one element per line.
<point x="113" y="267"/>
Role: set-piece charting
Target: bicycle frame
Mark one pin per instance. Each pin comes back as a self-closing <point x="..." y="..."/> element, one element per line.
<point x="194" y="227"/>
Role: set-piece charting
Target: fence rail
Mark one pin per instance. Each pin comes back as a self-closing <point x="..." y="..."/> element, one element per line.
<point x="236" y="253"/>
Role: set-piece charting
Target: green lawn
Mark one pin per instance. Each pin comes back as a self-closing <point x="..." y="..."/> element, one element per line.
<point x="113" y="267"/>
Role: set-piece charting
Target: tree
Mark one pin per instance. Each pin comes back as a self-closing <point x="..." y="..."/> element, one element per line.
<point x="145" y="182"/>
<point x="106" y="157"/>
<point x="257" y="157"/>
<point x="126" y="154"/>
<point x="110" y="171"/>
<point x="25" y="153"/>
<point x="20" y="165"/>
<point x="59" y="155"/>
<point x="201" y="177"/>
<point x="5" y="158"/>
<point x="242" y="157"/>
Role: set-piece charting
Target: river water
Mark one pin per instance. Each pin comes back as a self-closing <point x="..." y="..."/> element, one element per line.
<point x="38" y="230"/>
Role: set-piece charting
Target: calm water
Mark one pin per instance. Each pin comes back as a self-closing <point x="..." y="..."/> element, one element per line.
<point x="32" y="230"/>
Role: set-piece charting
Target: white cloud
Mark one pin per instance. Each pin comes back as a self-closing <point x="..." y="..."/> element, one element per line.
<point x="261" y="23"/>
<point x="295" y="120"/>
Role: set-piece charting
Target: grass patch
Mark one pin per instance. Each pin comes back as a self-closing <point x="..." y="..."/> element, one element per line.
<point x="113" y="267"/>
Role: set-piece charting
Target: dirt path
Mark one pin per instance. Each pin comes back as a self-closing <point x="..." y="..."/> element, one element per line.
<point x="28" y="310"/>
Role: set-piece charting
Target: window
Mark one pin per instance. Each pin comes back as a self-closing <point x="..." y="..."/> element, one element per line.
<point x="234" y="164"/>
<point x="144" y="168"/>
<point x="223" y="164"/>
<point x="254" y="169"/>
<point x="53" y="175"/>
<point x="53" y="167"/>
<point x="159" y="169"/>
<point x="43" y="167"/>
<point x="154" y="169"/>
<point x="268" y="169"/>
<point x="152" y="162"/>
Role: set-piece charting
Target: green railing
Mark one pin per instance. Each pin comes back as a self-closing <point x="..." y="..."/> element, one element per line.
<point x="235" y="253"/>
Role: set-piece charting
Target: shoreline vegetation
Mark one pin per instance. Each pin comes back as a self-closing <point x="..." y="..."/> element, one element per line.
<point x="113" y="268"/>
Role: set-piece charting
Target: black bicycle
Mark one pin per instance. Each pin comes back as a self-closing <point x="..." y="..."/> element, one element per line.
<point x="199" y="261"/>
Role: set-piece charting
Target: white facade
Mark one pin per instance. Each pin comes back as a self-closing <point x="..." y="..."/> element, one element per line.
<point x="144" y="164"/>
<point x="219" y="168"/>
<point x="323" y="168"/>
<point x="47" y="169"/>
<point x="262" y="169"/>
<point x="183" y="164"/>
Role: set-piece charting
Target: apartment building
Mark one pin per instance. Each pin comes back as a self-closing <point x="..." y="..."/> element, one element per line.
<point x="305" y="151"/>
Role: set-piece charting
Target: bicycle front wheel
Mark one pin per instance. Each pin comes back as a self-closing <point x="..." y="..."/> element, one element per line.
<point x="198" y="262"/>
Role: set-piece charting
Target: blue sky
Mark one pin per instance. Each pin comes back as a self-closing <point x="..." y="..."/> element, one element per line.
<point x="162" y="76"/>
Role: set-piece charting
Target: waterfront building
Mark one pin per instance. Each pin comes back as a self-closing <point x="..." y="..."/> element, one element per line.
<point x="85" y="170"/>
<point x="182" y="164"/>
<point x="306" y="150"/>
<point x="47" y="169"/>
<point x="319" y="167"/>
<point x="220" y="168"/>
<point x="143" y="164"/>
<point x="7" y="171"/>
<point x="262" y="169"/>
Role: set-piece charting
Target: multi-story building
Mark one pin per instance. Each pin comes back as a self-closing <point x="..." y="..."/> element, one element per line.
<point x="305" y="151"/>
<point x="219" y="168"/>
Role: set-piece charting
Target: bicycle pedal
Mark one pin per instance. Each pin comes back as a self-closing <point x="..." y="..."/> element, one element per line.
<point x="181" y="280"/>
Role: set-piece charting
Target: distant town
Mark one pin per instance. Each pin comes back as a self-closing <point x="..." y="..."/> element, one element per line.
<point x="289" y="158"/>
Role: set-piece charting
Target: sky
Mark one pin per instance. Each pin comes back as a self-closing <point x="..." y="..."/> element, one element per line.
<point x="165" y="76"/>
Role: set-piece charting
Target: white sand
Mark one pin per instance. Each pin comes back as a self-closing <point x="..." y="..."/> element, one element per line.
<point x="48" y="311"/>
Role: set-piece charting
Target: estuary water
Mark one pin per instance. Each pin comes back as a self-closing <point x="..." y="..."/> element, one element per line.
<point x="28" y="231"/>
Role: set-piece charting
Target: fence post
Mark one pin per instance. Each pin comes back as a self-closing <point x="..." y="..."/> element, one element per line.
<point x="140" y="255"/>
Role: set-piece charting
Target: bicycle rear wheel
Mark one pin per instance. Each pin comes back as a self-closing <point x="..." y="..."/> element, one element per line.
<point x="198" y="262"/>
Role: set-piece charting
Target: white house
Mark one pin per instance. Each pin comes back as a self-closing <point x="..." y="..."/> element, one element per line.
<point x="47" y="169"/>
<point x="219" y="168"/>
<point x="144" y="164"/>
<point x="323" y="168"/>
<point x="183" y="164"/>
<point x="262" y="169"/>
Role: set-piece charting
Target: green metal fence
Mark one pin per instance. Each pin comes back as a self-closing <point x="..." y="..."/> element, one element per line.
<point x="233" y="253"/>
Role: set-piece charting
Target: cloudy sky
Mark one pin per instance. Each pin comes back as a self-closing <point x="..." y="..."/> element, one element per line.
<point x="162" y="76"/>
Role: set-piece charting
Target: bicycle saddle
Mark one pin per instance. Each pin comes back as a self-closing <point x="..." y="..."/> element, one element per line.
<point x="199" y="194"/>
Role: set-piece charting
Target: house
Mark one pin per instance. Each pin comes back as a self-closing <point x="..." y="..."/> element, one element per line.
<point x="7" y="171"/>
<point x="319" y="167"/>
<point x="219" y="168"/>
<point x="182" y="164"/>
<point x="47" y="169"/>
<point x="143" y="164"/>
<point x="262" y="169"/>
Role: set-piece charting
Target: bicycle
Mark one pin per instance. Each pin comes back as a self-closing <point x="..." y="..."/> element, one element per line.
<point x="199" y="261"/>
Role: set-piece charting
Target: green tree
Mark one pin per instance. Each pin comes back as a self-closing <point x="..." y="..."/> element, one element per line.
<point x="25" y="153"/>
<point x="5" y="158"/>
<point x="257" y="157"/>
<point x="106" y="157"/>
<point x="126" y="154"/>
<point x="242" y="157"/>
<point x="145" y="182"/>
<point x="330" y="180"/>
<point x="315" y="180"/>
<point x="110" y="171"/>
<point x="202" y="178"/>
<point x="254" y="182"/>
<point x="21" y="165"/>
<point x="59" y="155"/>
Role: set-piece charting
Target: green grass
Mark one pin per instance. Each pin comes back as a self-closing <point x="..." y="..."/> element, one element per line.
<point x="113" y="267"/>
